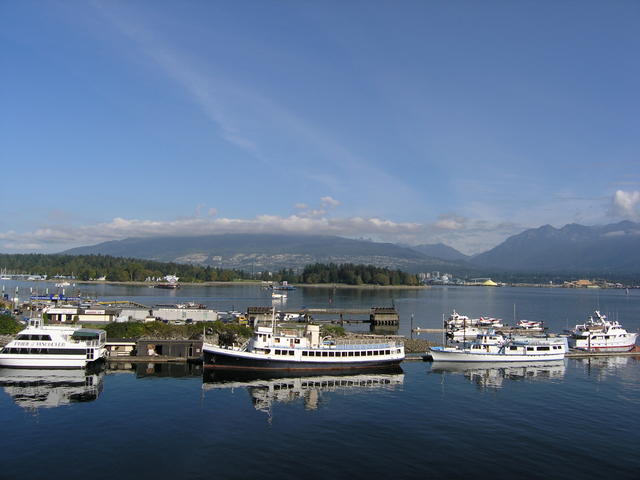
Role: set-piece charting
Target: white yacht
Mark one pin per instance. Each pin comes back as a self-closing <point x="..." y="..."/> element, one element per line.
<point x="462" y="328"/>
<point x="466" y="334"/>
<point x="54" y="346"/>
<point x="497" y="348"/>
<point x="598" y="334"/>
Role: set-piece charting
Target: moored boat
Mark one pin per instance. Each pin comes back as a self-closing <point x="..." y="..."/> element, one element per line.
<point x="300" y="348"/>
<point x="54" y="346"/>
<point x="497" y="348"/>
<point x="598" y="334"/>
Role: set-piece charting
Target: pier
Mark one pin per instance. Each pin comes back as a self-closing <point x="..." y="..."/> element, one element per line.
<point x="378" y="316"/>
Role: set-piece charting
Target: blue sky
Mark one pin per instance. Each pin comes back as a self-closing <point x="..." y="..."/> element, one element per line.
<point x="414" y="122"/>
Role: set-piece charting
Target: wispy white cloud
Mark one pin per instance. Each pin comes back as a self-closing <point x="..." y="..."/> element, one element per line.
<point x="329" y="202"/>
<point x="55" y="238"/>
<point x="250" y="120"/>
<point x="450" y="222"/>
<point x="626" y="204"/>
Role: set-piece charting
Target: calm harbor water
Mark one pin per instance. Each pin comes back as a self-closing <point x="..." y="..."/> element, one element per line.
<point x="572" y="419"/>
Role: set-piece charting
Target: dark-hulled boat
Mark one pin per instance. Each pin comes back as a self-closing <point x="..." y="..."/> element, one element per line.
<point x="300" y="348"/>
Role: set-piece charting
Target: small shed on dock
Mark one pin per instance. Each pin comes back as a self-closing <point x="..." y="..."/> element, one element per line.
<point x="384" y="316"/>
<point x="169" y="348"/>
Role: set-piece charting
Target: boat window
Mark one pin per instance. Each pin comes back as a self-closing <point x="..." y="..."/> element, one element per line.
<point x="331" y="354"/>
<point x="529" y="349"/>
<point x="387" y="352"/>
<point x="304" y="354"/>
<point x="513" y="348"/>
<point x="606" y="337"/>
<point x="325" y="354"/>
<point x="291" y="352"/>
<point x="351" y="354"/>
<point x="543" y="348"/>
<point x="357" y="354"/>
<point x="277" y="352"/>
<point x="297" y="340"/>
<point x="277" y="340"/>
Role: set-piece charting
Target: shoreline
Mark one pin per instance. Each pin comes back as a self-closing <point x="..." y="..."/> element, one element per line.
<point x="336" y="285"/>
<point x="248" y="282"/>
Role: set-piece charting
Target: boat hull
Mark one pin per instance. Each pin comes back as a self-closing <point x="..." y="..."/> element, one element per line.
<point x="465" y="356"/>
<point x="17" y="362"/>
<point x="231" y="360"/>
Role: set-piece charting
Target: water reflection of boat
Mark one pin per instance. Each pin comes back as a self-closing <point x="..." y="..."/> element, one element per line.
<point x="265" y="392"/>
<point x="493" y="374"/>
<point x="33" y="389"/>
<point x="602" y="367"/>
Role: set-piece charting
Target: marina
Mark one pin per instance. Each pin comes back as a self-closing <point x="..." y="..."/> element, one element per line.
<point x="204" y="413"/>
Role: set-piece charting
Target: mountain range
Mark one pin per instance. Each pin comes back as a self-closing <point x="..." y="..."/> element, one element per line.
<point x="257" y="252"/>
<point x="608" y="249"/>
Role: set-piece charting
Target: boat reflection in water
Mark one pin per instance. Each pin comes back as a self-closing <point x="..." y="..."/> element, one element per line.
<point x="267" y="391"/>
<point x="494" y="374"/>
<point x="47" y="388"/>
<point x="605" y="366"/>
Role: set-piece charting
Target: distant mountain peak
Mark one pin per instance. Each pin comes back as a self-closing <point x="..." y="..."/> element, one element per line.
<point x="572" y="248"/>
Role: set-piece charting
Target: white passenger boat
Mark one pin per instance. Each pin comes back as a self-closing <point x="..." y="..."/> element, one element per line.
<point x="54" y="346"/>
<point x="497" y="348"/>
<point x="297" y="347"/>
<point x="598" y="334"/>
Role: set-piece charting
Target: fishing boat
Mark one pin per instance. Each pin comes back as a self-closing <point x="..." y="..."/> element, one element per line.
<point x="295" y="347"/>
<point x="598" y="334"/>
<point x="497" y="348"/>
<point x="54" y="346"/>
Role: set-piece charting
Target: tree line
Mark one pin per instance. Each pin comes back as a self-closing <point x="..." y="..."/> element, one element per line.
<point x="118" y="269"/>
